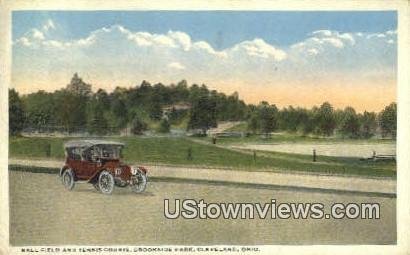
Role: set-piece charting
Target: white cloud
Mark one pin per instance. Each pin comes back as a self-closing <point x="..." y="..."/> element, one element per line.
<point x="380" y="35"/>
<point x="181" y="38"/>
<point x="37" y="34"/>
<point x="55" y="44"/>
<point x="336" y="38"/>
<point x="176" y="65"/>
<point x="172" y="40"/>
<point x="334" y="41"/>
<point x="322" y="33"/>
<point x="24" y="41"/>
<point x="141" y="39"/>
<point x="327" y="43"/>
<point x="312" y="52"/>
<point x="48" y="25"/>
<point x="144" y="53"/>
<point x="86" y="41"/>
<point x="34" y="36"/>
<point x="259" y="48"/>
<point x="347" y="37"/>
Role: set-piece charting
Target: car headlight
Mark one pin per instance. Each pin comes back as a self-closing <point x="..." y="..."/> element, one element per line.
<point x="134" y="170"/>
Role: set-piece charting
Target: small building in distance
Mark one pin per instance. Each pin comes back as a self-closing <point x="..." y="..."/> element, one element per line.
<point x="175" y="109"/>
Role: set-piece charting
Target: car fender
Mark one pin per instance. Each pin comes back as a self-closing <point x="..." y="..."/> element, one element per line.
<point x="142" y="169"/>
<point x="62" y="169"/>
<point x="94" y="177"/>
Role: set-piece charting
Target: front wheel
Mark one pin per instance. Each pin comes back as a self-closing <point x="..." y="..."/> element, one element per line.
<point x="139" y="182"/>
<point x="106" y="182"/>
<point x="68" y="179"/>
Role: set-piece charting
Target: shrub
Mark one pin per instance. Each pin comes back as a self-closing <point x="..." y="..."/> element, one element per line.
<point x="164" y="126"/>
<point x="138" y="126"/>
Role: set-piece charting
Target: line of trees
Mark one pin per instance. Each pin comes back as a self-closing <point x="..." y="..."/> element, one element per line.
<point x="77" y="109"/>
<point x="323" y="121"/>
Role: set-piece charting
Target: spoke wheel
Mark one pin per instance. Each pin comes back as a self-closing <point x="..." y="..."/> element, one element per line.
<point x="139" y="183"/>
<point x="68" y="179"/>
<point x="106" y="182"/>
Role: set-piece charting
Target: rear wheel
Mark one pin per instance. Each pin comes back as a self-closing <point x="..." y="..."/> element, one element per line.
<point x="106" y="182"/>
<point x="68" y="179"/>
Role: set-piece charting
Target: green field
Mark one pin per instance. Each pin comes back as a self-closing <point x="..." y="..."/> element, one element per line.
<point x="174" y="151"/>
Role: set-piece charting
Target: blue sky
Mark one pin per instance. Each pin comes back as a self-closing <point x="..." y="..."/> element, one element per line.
<point x="347" y="58"/>
<point x="221" y="29"/>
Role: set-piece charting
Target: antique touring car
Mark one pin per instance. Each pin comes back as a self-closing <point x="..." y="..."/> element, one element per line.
<point x="98" y="162"/>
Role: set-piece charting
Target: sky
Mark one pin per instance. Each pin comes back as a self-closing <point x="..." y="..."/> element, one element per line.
<point x="283" y="57"/>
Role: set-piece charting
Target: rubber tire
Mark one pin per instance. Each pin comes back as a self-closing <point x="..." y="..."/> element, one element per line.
<point x="141" y="189"/>
<point x="110" y="189"/>
<point x="68" y="173"/>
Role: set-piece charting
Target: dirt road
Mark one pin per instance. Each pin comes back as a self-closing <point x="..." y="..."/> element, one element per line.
<point x="42" y="212"/>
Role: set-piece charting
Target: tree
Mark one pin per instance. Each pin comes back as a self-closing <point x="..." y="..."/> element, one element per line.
<point x="155" y="110"/>
<point x="306" y="121"/>
<point x="71" y="104"/>
<point x="103" y="99"/>
<point x="203" y="113"/>
<point x="120" y="104"/>
<point x="96" y="121"/>
<point x="141" y="95"/>
<point x="253" y="123"/>
<point x="325" y="120"/>
<point x="138" y="126"/>
<point x="16" y="113"/>
<point x="176" y="116"/>
<point x="70" y="110"/>
<point x="79" y="87"/>
<point x="368" y="124"/>
<point x="267" y="117"/>
<point x="40" y="111"/>
<point x="388" y="120"/>
<point x="349" y="125"/>
<point x="289" y="119"/>
<point x="181" y="92"/>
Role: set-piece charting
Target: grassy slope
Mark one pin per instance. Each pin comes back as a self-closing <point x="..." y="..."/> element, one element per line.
<point x="241" y="127"/>
<point x="174" y="151"/>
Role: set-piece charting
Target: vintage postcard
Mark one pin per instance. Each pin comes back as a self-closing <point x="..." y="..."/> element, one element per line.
<point x="238" y="127"/>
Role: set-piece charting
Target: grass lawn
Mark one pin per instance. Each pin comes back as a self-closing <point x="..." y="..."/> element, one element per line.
<point x="174" y="151"/>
